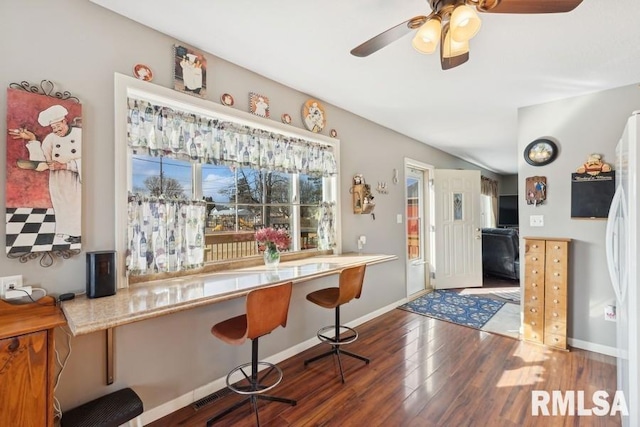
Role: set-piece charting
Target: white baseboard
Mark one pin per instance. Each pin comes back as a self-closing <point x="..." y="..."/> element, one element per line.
<point x="167" y="408"/>
<point x="596" y="348"/>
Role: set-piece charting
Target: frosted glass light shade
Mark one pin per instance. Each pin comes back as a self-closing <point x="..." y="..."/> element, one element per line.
<point x="451" y="48"/>
<point x="427" y="37"/>
<point x="464" y="23"/>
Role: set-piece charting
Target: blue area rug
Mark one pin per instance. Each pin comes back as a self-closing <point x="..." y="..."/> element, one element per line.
<point x="467" y="310"/>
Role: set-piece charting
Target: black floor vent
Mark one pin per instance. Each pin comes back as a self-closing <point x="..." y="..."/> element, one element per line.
<point x="211" y="398"/>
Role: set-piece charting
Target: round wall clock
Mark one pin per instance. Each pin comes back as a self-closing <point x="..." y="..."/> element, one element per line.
<point x="540" y="152"/>
<point x="313" y="115"/>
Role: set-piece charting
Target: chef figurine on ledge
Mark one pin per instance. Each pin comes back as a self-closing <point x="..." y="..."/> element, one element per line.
<point x="594" y="165"/>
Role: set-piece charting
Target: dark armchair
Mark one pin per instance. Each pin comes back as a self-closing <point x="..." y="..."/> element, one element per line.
<point x="501" y="252"/>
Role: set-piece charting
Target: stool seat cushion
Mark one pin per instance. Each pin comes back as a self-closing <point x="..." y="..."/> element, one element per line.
<point x="232" y="331"/>
<point x="327" y="298"/>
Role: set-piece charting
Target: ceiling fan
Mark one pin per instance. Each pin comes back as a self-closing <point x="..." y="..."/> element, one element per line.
<point x="452" y="23"/>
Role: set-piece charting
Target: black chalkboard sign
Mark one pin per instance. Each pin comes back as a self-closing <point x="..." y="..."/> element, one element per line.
<point x="591" y="195"/>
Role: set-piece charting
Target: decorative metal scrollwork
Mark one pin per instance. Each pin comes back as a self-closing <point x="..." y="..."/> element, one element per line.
<point x="46" y="258"/>
<point x="46" y="88"/>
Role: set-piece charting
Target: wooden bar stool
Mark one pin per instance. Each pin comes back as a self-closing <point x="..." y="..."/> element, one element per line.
<point x="350" y="287"/>
<point x="267" y="308"/>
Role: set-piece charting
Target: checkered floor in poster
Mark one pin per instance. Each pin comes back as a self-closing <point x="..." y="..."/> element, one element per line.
<point x="33" y="230"/>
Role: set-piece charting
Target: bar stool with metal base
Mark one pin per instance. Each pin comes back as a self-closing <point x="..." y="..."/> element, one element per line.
<point x="350" y="287"/>
<point x="267" y="308"/>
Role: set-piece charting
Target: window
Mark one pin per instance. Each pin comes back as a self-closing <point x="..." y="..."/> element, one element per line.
<point x="243" y="191"/>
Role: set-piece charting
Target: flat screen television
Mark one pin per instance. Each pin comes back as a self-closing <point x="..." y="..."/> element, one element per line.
<point x="508" y="210"/>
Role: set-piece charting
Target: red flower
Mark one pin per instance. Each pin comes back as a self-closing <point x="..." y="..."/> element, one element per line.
<point x="270" y="237"/>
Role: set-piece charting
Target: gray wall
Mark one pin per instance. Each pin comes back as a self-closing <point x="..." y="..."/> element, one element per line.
<point x="79" y="46"/>
<point x="509" y="184"/>
<point x="580" y="126"/>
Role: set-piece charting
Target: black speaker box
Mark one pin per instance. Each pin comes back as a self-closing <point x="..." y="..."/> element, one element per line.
<point x="101" y="274"/>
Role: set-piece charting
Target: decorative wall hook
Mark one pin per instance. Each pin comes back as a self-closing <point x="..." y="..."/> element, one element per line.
<point x="46" y="88"/>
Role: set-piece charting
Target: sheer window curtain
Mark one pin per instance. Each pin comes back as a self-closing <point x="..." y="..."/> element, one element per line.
<point x="167" y="235"/>
<point x="489" y="187"/>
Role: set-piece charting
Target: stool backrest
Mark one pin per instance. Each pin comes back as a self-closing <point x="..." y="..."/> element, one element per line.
<point x="267" y="308"/>
<point x="351" y="280"/>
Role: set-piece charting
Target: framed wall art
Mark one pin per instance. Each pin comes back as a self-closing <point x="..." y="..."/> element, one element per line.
<point x="190" y="71"/>
<point x="44" y="174"/>
<point x="258" y="105"/>
<point x="313" y="115"/>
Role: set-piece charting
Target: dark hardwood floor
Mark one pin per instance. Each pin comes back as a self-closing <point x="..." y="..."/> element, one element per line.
<point x="423" y="372"/>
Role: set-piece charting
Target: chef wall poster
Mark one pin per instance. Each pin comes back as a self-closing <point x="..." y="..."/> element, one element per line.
<point x="44" y="173"/>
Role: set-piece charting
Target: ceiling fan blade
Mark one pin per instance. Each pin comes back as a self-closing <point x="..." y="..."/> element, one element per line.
<point x="392" y="34"/>
<point x="454" y="61"/>
<point x="527" y="6"/>
<point x="452" y="54"/>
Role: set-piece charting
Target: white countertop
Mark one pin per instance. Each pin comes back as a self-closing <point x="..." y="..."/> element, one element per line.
<point x="148" y="300"/>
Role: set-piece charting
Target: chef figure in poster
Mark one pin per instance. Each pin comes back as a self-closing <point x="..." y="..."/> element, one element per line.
<point x="191" y="73"/>
<point x="60" y="154"/>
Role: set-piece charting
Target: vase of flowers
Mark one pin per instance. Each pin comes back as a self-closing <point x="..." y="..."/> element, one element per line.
<point x="271" y="241"/>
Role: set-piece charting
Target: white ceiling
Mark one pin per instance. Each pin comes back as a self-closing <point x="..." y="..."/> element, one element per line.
<point x="469" y="111"/>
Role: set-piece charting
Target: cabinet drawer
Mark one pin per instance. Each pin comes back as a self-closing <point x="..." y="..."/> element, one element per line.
<point x="556" y="290"/>
<point x="555" y="314"/>
<point x="554" y="340"/>
<point x="556" y="249"/>
<point x="555" y="327"/>
<point x="555" y="305"/>
<point x="534" y="246"/>
<point x="534" y="297"/>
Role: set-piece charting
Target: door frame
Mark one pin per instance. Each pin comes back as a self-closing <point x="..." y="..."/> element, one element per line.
<point x="428" y="213"/>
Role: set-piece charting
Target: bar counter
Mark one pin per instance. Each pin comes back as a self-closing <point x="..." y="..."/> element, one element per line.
<point x="153" y="299"/>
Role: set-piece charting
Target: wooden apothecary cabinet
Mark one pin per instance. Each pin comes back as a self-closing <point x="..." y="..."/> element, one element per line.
<point x="27" y="362"/>
<point x="546" y="264"/>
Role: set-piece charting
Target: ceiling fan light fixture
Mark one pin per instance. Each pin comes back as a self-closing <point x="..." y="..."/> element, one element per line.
<point x="465" y="23"/>
<point x="428" y="35"/>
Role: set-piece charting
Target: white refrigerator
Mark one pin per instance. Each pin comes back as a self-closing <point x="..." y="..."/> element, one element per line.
<point x="622" y="259"/>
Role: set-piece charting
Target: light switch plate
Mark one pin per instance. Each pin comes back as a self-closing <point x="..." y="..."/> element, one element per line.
<point x="536" y="220"/>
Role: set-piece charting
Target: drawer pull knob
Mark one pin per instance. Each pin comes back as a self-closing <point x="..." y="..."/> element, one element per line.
<point x="556" y="247"/>
<point x="535" y="246"/>
<point x="555" y="301"/>
<point x="534" y="259"/>
<point x="534" y="285"/>
<point x="556" y="339"/>
<point x="15" y="344"/>
<point x="556" y="260"/>
<point x="534" y="271"/>
<point x="555" y="314"/>
<point x="556" y="274"/>
<point x="534" y="297"/>
<point x="556" y="327"/>
<point x="556" y="287"/>
<point x="533" y="310"/>
<point x="533" y="323"/>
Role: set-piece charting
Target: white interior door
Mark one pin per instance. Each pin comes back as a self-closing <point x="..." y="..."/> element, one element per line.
<point x="416" y="214"/>
<point x="458" y="229"/>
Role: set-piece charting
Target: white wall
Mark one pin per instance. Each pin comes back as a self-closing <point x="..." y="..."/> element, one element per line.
<point x="581" y="126"/>
<point x="78" y="46"/>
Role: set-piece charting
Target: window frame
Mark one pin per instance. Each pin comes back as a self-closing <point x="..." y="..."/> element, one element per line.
<point x="125" y="87"/>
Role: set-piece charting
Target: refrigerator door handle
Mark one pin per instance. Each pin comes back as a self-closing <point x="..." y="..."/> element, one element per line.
<point x="611" y="241"/>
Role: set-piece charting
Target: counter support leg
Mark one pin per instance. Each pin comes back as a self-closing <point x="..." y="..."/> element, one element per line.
<point x="109" y="337"/>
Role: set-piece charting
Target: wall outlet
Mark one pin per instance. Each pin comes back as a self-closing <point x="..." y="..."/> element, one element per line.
<point x="610" y="313"/>
<point x="17" y="293"/>
<point x="9" y="282"/>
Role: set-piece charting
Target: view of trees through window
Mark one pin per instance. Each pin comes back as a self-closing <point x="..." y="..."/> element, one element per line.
<point x="240" y="200"/>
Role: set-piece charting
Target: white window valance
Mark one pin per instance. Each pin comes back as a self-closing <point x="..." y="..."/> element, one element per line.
<point x="159" y="130"/>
